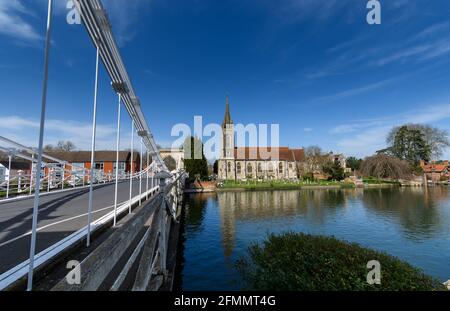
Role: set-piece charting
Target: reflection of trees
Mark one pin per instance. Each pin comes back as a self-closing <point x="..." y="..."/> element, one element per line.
<point x="195" y="212"/>
<point x="415" y="208"/>
<point x="234" y="206"/>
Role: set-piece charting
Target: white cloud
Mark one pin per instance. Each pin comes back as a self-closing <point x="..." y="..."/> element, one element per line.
<point x="25" y="131"/>
<point x="12" y="23"/>
<point x="433" y="29"/>
<point x="124" y="15"/>
<point x="353" y="91"/>
<point x="364" y="137"/>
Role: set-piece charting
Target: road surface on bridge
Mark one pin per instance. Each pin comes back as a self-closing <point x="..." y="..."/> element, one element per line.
<point x="60" y="214"/>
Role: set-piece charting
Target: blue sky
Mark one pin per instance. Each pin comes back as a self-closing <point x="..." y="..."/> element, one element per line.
<point x="315" y="67"/>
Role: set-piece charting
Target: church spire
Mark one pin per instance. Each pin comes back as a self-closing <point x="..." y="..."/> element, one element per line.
<point x="227" y="118"/>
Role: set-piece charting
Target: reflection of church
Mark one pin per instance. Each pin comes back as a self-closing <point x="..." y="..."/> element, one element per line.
<point x="241" y="163"/>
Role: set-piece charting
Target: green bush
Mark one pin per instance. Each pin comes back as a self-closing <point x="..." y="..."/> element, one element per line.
<point x="295" y="262"/>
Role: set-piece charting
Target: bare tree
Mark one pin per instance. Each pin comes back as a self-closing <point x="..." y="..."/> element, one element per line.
<point x="385" y="166"/>
<point x="315" y="159"/>
<point x="49" y="147"/>
<point x="66" y="145"/>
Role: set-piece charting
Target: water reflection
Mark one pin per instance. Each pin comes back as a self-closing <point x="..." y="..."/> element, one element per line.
<point x="195" y="213"/>
<point x="411" y="223"/>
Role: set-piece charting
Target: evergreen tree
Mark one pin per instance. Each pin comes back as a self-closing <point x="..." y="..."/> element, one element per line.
<point x="195" y="162"/>
<point x="334" y="170"/>
<point x="409" y="144"/>
<point x="353" y="163"/>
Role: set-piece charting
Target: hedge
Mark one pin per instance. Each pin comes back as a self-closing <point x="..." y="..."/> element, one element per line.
<point x="297" y="262"/>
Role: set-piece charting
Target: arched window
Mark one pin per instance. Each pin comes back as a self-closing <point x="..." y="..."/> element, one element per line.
<point x="270" y="167"/>
<point x="238" y="167"/>
<point x="280" y="168"/>
<point x="229" y="167"/>
<point x="249" y="168"/>
<point x="260" y="168"/>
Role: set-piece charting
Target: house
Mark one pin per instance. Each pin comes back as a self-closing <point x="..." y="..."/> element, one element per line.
<point x="18" y="167"/>
<point x="436" y="170"/>
<point x="242" y="163"/>
<point x="105" y="161"/>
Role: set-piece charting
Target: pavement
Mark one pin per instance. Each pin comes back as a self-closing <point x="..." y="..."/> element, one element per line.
<point x="60" y="214"/>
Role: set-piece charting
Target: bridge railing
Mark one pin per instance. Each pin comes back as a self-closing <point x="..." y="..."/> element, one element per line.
<point x="96" y="22"/>
<point x="149" y="257"/>
<point x="56" y="175"/>
<point x="19" y="272"/>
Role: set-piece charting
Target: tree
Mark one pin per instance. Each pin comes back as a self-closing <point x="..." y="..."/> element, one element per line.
<point x="354" y="163"/>
<point x="48" y="148"/>
<point x="436" y="140"/>
<point x="61" y="146"/>
<point x="216" y="167"/>
<point x="385" y="166"/>
<point x="315" y="159"/>
<point x="334" y="170"/>
<point x="66" y="145"/>
<point x="408" y="143"/>
<point x="195" y="162"/>
<point x="170" y="163"/>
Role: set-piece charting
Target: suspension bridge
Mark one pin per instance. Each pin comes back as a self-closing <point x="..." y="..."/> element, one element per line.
<point x="114" y="230"/>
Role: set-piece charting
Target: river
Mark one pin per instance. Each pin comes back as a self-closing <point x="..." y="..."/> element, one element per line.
<point x="410" y="223"/>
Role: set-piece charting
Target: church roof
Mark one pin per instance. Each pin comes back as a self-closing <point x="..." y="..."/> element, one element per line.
<point x="227" y="118"/>
<point x="262" y="153"/>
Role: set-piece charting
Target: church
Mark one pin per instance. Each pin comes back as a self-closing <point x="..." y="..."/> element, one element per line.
<point x="252" y="163"/>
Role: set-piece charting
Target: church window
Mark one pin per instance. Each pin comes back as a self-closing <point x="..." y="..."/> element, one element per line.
<point x="229" y="167"/>
<point x="280" y="168"/>
<point x="260" y="168"/>
<point x="238" y="167"/>
<point x="271" y="167"/>
<point x="249" y="168"/>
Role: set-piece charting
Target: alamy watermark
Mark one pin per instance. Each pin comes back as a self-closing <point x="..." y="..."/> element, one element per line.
<point x="374" y="275"/>
<point x="73" y="16"/>
<point x="374" y="15"/>
<point x="218" y="140"/>
<point x="74" y="275"/>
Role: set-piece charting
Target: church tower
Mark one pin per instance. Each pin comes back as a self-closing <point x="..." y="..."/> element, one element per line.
<point x="228" y="134"/>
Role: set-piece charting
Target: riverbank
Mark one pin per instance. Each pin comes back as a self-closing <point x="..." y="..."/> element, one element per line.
<point x="286" y="185"/>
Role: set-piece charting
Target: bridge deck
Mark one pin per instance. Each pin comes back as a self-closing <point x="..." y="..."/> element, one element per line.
<point x="60" y="214"/>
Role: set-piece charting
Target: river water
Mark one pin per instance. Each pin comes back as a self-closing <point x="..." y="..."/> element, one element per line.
<point x="410" y="223"/>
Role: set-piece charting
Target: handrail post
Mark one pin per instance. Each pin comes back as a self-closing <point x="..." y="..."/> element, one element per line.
<point x="148" y="168"/>
<point x="94" y="130"/>
<point x="117" y="159"/>
<point x="63" y="176"/>
<point x="9" y="176"/>
<point x="41" y="145"/>
<point x="31" y="174"/>
<point x="131" y="164"/>
<point x="140" y="177"/>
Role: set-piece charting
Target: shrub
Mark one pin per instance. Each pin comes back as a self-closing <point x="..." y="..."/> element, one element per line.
<point x="294" y="261"/>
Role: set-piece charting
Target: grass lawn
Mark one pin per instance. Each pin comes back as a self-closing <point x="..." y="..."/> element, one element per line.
<point x="279" y="184"/>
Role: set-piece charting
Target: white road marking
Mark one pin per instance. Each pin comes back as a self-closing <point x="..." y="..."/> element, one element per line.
<point x="58" y="222"/>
